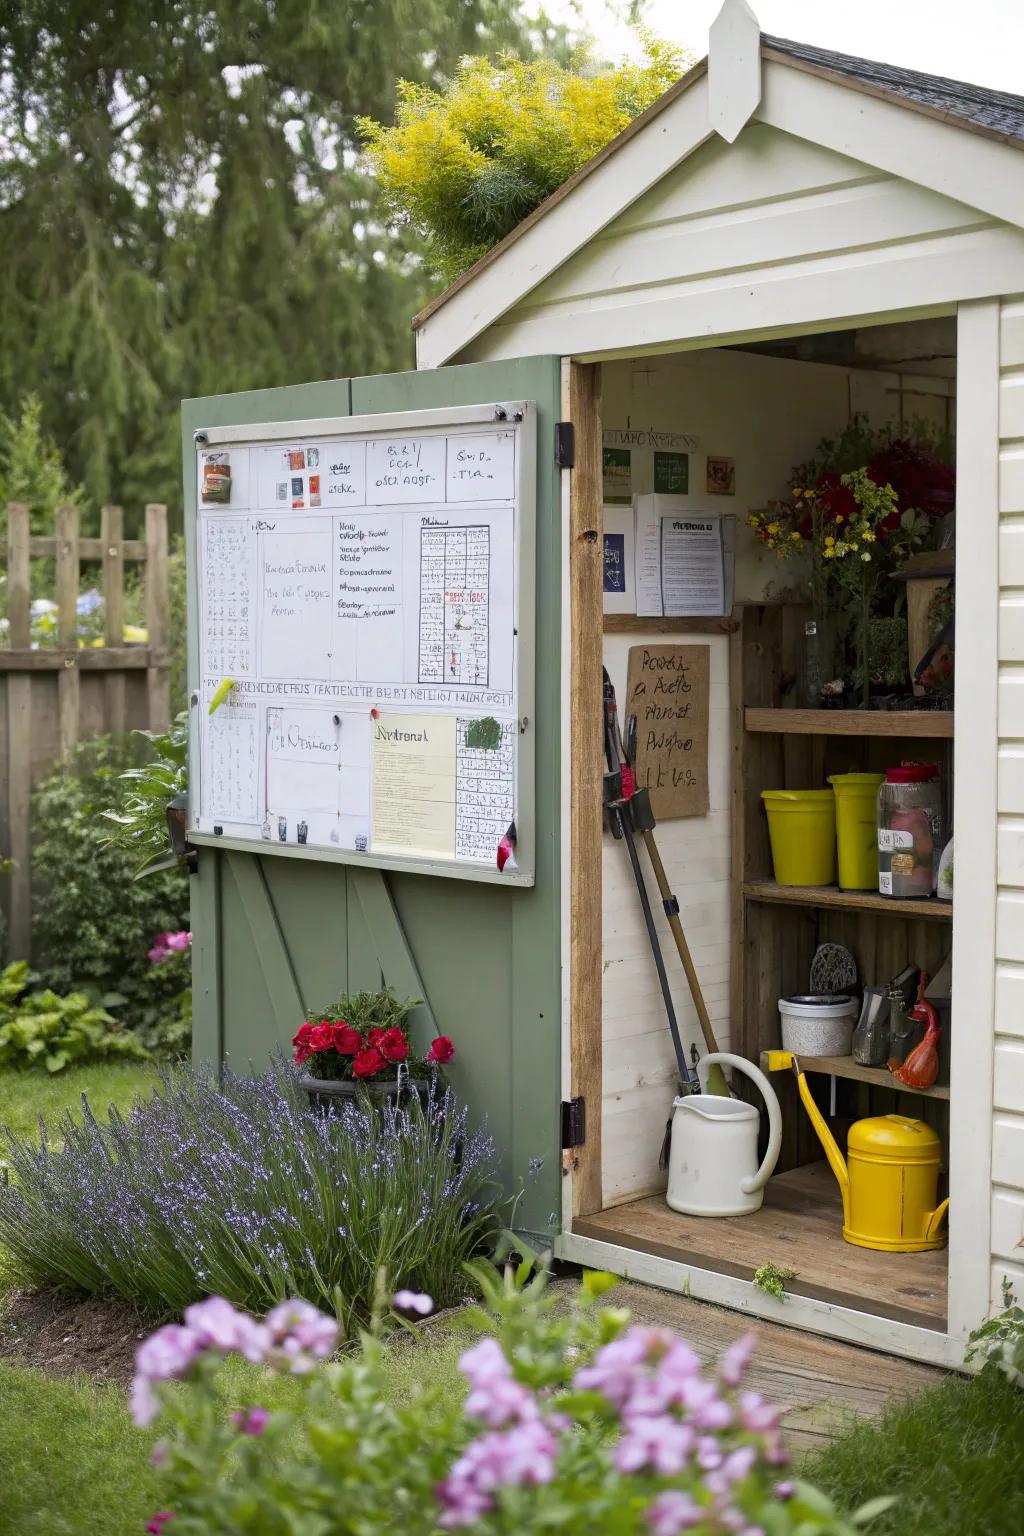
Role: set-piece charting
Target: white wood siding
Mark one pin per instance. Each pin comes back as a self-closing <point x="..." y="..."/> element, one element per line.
<point x="1007" y="1212"/>
<point x="770" y="232"/>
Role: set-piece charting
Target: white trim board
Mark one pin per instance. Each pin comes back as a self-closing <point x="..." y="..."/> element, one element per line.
<point x="864" y="1328"/>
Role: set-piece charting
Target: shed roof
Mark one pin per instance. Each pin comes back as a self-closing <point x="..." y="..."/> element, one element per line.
<point x="974" y="105"/>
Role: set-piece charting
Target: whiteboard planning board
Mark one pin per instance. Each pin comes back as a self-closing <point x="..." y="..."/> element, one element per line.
<point x="360" y="582"/>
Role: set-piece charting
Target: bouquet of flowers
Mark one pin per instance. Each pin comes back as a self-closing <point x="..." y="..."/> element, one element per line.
<point x="856" y="511"/>
<point x="364" y="1036"/>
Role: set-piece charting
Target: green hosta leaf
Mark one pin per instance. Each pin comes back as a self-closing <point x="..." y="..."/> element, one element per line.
<point x="56" y="1061"/>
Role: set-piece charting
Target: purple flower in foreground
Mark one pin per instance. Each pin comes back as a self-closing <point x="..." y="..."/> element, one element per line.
<point x="662" y="1444"/>
<point x="216" y="1324"/>
<point x="484" y="1364"/>
<point x="672" y="1512"/>
<point x="251" y="1421"/>
<point x="413" y="1303"/>
<point x="167" y="1352"/>
<point x="734" y="1469"/>
<point x="784" y="1490"/>
<point x="516" y="1458"/>
<point x="737" y="1357"/>
<point x="500" y="1402"/>
<point x="156" y="1523"/>
<point x="299" y="1336"/>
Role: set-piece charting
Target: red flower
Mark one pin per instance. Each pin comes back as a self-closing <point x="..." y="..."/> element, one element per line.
<point x="836" y="499"/>
<point x="368" y="1063"/>
<point x="321" y="1037"/>
<point x="441" y="1051"/>
<point x="347" y="1041"/>
<point x="393" y="1045"/>
<point x="375" y="1035"/>
<point x="300" y="1040"/>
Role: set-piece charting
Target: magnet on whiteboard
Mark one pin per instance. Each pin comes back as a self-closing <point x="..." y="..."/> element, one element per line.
<point x="507" y="848"/>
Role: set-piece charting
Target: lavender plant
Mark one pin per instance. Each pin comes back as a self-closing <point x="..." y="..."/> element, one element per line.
<point x="240" y="1188"/>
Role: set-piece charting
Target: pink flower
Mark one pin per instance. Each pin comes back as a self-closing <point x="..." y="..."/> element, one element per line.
<point x="757" y="1415"/>
<point x="703" y="1405"/>
<point x="178" y="942"/>
<point x="157" y="1522"/>
<point x="441" y="1050"/>
<point x="672" y="1512"/>
<point x="167" y="1352"/>
<point x="522" y="1457"/>
<point x="216" y="1324"/>
<point x="299" y="1336"/>
<point x="734" y="1362"/>
<point x="734" y="1469"/>
<point x="484" y="1364"/>
<point x="144" y="1405"/>
<point x="501" y="1402"/>
<point x="251" y="1421"/>
<point x="417" y="1303"/>
<point x="663" y="1444"/>
<point x="616" y="1369"/>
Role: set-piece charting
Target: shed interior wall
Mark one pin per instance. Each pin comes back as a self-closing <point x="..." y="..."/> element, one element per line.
<point x="767" y="413"/>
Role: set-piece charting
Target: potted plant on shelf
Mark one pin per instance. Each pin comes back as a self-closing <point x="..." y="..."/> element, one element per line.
<point x="360" y="1047"/>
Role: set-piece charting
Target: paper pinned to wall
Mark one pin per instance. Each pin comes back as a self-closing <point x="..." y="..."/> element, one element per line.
<point x="667" y="692"/>
<point x="685" y="559"/>
<point x="619" y="575"/>
<point x="414" y="785"/>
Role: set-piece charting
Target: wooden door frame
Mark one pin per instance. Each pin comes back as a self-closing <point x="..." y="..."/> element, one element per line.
<point x="586" y="777"/>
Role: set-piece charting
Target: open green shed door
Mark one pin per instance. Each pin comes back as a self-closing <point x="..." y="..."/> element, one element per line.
<point x="274" y="936"/>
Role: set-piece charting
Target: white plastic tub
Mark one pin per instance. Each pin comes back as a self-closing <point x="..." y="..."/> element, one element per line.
<point x="817" y="1026"/>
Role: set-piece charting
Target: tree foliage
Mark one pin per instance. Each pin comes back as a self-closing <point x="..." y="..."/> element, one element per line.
<point x="464" y="164"/>
<point x="182" y="211"/>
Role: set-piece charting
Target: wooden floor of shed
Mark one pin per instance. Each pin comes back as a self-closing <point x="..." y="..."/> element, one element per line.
<point x="800" y="1227"/>
<point x="820" y="1382"/>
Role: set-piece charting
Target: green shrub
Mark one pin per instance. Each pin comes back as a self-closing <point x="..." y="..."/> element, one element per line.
<point x="42" y="1029"/>
<point x="138" y="820"/>
<point x="464" y="165"/>
<point x="93" y="923"/>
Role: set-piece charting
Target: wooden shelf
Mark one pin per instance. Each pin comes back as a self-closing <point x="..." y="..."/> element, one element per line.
<point x="878" y="1077"/>
<point x="767" y="891"/>
<point x="922" y="723"/>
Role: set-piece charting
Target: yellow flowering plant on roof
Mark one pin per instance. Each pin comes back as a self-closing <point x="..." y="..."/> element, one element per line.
<point x="465" y="164"/>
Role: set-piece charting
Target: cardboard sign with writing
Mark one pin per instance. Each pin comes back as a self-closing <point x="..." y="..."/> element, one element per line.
<point x="667" y="691"/>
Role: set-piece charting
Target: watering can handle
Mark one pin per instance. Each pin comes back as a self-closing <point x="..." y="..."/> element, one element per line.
<point x="759" y="1179"/>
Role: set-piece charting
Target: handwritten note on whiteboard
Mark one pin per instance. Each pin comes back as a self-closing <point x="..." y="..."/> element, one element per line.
<point x="362" y="593"/>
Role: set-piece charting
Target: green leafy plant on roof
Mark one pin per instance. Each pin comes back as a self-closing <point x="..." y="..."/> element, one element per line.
<point x="465" y="164"/>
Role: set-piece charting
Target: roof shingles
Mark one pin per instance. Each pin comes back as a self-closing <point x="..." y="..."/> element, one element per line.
<point x="996" y="111"/>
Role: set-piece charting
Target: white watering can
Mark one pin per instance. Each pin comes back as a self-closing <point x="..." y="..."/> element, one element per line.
<point x="712" y="1166"/>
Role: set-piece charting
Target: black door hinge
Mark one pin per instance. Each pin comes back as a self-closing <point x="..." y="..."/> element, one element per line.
<point x="565" y="444"/>
<point x="574" y="1123"/>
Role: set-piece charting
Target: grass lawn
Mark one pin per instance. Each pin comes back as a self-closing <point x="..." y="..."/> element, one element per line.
<point x="25" y="1095"/>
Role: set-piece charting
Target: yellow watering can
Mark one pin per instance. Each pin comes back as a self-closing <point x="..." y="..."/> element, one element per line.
<point x="890" y="1182"/>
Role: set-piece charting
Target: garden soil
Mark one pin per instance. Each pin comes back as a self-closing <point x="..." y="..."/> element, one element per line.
<point x="63" y="1335"/>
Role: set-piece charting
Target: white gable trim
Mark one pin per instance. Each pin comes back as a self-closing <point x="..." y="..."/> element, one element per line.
<point x="637" y="164"/>
<point x="734" y="68"/>
<point x="913" y="145"/>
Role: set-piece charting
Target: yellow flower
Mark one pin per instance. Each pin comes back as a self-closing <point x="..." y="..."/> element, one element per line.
<point x="797" y="490"/>
<point x="829" y="541"/>
<point x="795" y="537"/>
<point x="830" y="554"/>
<point x="868" y="536"/>
<point x="773" y="527"/>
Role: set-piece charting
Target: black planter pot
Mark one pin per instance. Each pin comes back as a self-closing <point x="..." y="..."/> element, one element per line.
<point x="324" y="1092"/>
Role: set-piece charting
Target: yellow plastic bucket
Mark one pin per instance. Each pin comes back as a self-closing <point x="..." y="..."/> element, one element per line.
<point x="856" y="830"/>
<point x="802" y="828"/>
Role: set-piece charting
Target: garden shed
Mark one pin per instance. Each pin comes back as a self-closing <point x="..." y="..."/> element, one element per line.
<point x="791" y="245"/>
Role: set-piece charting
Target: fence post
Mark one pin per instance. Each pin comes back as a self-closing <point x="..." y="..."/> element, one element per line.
<point x="158" y="682"/>
<point x="19" y="734"/>
<point x="112" y="539"/>
<point x="67" y="628"/>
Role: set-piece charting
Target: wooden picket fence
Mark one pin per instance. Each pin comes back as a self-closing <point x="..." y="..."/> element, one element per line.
<point x="53" y="696"/>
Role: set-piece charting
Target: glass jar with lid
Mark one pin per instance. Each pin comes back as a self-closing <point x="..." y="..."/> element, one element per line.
<point x="910" y="831"/>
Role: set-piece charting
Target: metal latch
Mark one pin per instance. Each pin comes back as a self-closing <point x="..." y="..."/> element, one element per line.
<point x="565" y="444"/>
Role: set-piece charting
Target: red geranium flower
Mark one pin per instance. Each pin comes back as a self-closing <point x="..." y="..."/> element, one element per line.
<point x="302" y="1034"/>
<point x="321" y="1037"/>
<point x="368" y="1063"/>
<point x="442" y="1050"/>
<point x="393" y="1045"/>
<point x="375" y="1035"/>
<point x="347" y="1041"/>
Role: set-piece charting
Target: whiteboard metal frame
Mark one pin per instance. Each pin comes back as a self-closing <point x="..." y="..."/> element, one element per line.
<point x="518" y="414"/>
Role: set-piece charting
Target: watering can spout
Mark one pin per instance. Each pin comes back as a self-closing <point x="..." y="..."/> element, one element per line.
<point x="779" y="1061"/>
<point x="935" y="1219"/>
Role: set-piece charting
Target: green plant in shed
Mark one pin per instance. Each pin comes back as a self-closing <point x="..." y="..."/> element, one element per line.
<point x="465" y="164"/>
<point x="139" y="824"/>
<point x="44" y="1028"/>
